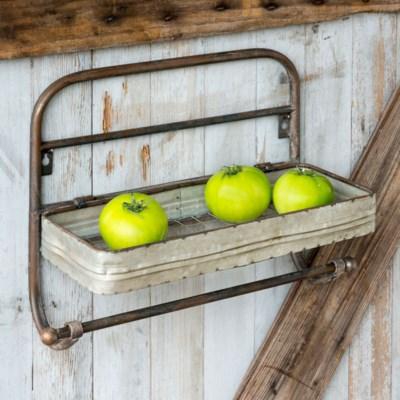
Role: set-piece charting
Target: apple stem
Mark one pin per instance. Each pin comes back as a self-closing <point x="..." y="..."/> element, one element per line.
<point x="134" y="206"/>
<point x="232" y="170"/>
<point x="305" y="171"/>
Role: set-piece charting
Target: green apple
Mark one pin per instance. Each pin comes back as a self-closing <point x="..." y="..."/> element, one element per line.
<point x="238" y="194"/>
<point x="132" y="219"/>
<point x="301" y="188"/>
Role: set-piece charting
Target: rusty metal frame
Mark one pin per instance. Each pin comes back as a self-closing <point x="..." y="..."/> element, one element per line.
<point x="66" y="336"/>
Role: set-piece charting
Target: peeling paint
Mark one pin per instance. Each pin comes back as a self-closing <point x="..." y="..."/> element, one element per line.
<point x="168" y="137"/>
<point x="337" y="71"/>
<point x="125" y="86"/>
<point x="107" y="112"/>
<point x="379" y="76"/>
<point x="260" y="145"/>
<point x="145" y="159"/>
<point x="110" y="163"/>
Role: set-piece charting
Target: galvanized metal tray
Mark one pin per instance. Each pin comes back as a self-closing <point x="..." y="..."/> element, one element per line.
<point x="197" y="243"/>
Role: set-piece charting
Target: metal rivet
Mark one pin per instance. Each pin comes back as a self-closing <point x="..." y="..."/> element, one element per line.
<point x="168" y="17"/>
<point x="110" y="18"/>
<point x="220" y="7"/>
<point x="271" y="6"/>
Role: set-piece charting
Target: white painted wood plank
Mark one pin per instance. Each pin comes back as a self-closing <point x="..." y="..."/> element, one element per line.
<point x="395" y="331"/>
<point x="15" y="316"/>
<point x="121" y="103"/>
<point x="177" y="345"/>
<point x="273" y="90"/>
<point x="374" y="76"/>
<point x="177" y="338"/>
<point x="228" y="335"/>
<point x="177" y="95"/>
<point x="338" y="387"/>
<point x="326" y="136"/>
<point x="382" y="340"/>
<point x="67" y="115"/>
<point x="121" y="355"/>
<point x="326" y="116"/>
<point x="370" y="360"/>
<point x="360" y="362"/>
<point x="229" y="325"/>
<point x="230" y="87"/>
<point x="268" y="302"/>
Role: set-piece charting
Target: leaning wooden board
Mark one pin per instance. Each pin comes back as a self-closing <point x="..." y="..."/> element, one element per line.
<point x="316" y="323"/>
<point x="41" y="27"/>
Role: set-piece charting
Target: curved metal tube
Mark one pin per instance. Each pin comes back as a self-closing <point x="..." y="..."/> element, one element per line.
<point x="49" y="335"/>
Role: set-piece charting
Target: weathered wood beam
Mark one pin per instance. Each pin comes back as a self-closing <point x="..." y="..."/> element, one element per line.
<point x="317" y="322"/>
<point x="38" y="27"/>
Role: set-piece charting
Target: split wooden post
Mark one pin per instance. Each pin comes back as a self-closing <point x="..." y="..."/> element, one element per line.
<point x="317" y="322"/>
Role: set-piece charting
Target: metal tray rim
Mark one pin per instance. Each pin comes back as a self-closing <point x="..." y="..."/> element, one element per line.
<point x="57" y="208"/>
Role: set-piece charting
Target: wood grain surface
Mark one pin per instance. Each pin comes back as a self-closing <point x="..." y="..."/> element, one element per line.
<point x="177" y="339"/>
<point x="121" y="357"/>
<point x="370" y="355"/>
<point x="42" y="27"/>
<point x="15" y="317"/>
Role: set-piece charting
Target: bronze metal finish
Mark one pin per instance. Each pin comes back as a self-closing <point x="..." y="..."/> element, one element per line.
<point x="328" y="272"/>
<point x="63" y="338"/>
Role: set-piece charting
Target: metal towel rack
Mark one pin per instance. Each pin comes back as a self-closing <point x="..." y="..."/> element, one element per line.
<point x="41" y="162"/>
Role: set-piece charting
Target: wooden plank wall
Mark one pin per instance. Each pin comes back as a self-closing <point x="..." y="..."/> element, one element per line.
<point x="348" y="69"/>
